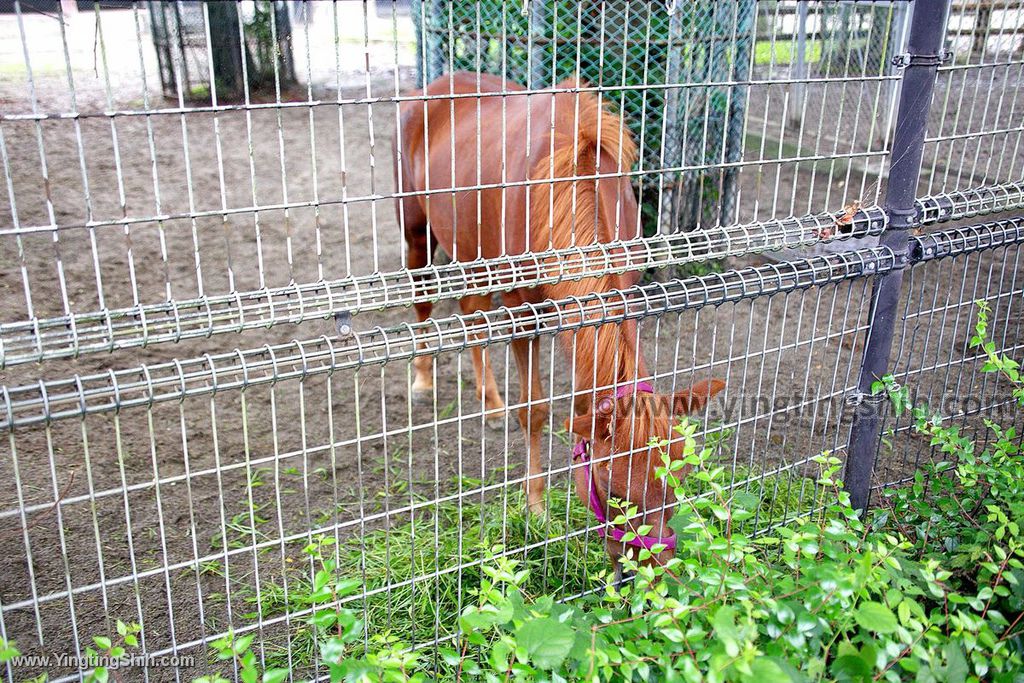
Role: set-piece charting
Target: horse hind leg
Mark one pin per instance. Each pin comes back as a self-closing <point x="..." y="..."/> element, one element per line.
<point x="486" y="386"/>
<point x="423" y="382"/>
<point x="418" y="256"/>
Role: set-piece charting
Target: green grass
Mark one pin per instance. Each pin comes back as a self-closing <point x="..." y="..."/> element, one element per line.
<point x="437" y="541"/>
<point x="784" y="52"/>
<point x="421" y="559"/>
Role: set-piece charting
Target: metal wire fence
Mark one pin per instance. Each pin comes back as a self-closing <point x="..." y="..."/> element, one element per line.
<point x="208" y="354"/>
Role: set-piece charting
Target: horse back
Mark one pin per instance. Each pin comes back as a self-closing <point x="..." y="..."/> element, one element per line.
<point x="473" y="138"/>
<point x="481" y="132"/>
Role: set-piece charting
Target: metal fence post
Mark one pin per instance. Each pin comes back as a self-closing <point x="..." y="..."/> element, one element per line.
<point x="924" y="54"/>
<point x="796" y="112"/>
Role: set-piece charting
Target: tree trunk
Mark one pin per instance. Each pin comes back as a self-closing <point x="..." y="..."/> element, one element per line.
<point x="226" y="49"/>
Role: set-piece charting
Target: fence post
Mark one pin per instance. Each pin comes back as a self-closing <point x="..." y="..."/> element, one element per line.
<point x="924" y="54"/>
<point x="796" y="112"/>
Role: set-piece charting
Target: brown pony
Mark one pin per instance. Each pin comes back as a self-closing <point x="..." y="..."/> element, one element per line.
<point x="551" y="136"/>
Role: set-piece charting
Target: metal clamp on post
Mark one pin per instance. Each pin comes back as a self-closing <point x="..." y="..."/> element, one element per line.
<point x="900" y="222"/>
<point x="856" y="398"/>
<point x="906" y="59"/>
<point x="343" y="324"/>
<point x="903" y="219"/>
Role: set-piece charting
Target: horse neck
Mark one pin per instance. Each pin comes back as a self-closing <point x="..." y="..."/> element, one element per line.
<point x="569" y="212"/>
<point x="606" y="356"/>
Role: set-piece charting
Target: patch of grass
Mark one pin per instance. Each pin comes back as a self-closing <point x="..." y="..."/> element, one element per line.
<point x="784" y="52"/>
<point x="421" y="573"/>
<point x="199" y="92"/>
<point x="424" y="562"/>
<point x="242" y="528"/>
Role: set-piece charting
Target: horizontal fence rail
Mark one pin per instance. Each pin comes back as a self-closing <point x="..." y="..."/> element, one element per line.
<point x="116" y="390"/>
<point x="145" y="385"/>
<point x="970" y="203"/>
<point x="145" y="325"/>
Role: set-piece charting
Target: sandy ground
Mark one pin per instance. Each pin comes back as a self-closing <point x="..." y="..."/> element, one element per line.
<point x="153" y="523"/>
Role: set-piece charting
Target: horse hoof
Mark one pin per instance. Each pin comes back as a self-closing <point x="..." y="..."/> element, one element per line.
<point x="422" y="396"/>
<point x="537" y="509"/>
<point x="496" y="423"/>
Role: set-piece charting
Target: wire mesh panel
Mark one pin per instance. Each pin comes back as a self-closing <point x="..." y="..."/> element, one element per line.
<point x="259" y="297"/>
<point x="822" y="107"/>
<point x="975" y="136"/>
<point x="935" y="359"/>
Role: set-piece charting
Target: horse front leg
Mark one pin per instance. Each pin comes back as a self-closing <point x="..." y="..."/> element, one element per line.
<point x="533" y="414"/>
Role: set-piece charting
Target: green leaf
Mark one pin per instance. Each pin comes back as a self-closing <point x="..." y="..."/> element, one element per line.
<point x="725" y="630"/>
<point x="102" y="642"/>
<point x="351" y="625"/>
<point x="451" y="657"/>
<point x="332" y="650"/>
<point x="673" y="634"/>
<point x="347" y="587"/>
<point x="850" y="668"/>
<point x="242" y="644"/>
<point x="324" y="618"/>
<point x="500" y="654"/>
<point x="354" y="669"/>
<point x="770" y="670"/>
<point x="275" y="675"/>
<point x="874" y="616"/>
<point x="7" y="651"/>
<point x="957" y="668"/>
<point x="474" y="620"/>
<point x="322" y="578"/>
<point x="546" y="641"/>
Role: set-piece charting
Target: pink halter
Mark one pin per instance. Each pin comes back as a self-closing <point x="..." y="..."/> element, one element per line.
<point x="581" y="451"/>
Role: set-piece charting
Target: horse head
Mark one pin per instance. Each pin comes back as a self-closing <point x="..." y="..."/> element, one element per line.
<point x="619" y="463"/>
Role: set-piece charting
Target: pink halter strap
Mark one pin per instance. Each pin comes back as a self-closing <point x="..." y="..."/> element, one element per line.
<point x="581" y="451"/>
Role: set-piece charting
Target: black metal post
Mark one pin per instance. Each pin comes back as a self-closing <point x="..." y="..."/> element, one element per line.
<point x="920" y="65"/>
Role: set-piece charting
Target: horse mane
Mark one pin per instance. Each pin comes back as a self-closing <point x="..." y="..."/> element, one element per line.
<point x="648" y="416"/>
<point x="565" y="212"/>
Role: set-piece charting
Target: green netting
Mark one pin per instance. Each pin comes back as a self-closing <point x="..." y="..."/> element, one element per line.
<point x="618" y="43"/>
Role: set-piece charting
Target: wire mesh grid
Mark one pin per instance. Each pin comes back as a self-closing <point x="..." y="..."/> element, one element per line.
<point x="208" y="354"/>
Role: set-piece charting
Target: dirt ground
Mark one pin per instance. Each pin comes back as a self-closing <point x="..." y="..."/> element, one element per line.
<point x="178" y="516"/>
